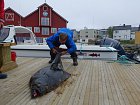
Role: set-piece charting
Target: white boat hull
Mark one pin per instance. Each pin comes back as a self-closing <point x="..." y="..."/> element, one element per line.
<point x="84" y="52"/>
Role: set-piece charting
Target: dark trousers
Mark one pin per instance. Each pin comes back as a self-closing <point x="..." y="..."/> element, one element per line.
<point x="73" y="55"/>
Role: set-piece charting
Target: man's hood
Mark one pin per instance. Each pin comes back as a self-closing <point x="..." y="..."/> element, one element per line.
<point x="66" y="31"/>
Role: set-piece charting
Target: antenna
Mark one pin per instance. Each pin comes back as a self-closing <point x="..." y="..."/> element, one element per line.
<point x="45" y="1"/>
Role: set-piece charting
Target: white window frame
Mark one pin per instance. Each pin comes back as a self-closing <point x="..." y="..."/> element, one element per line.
<point x="44" y="8"/>
<point x="44" y="21"/>
<point x="9" y="16"/>
<point x="45" y="31"/>
<point x="53" y="30"/>
<point x="36" y="29"/>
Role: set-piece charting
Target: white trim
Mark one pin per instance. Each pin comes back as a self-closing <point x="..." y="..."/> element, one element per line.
<point x="9" y="16"/>
<point x="45" y="6"/>
<point x="50" y="17"/>
<point x="39" y="16"/>
<point x="44" y="30"/>
<point x="36" y="29"/>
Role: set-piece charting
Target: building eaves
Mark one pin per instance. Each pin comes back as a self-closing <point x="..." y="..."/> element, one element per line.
<point x="13" y="11"/>
<point x="46" y="5"/>
<point x="134" y="29"/>
<point x="124" y="27"/>
<point x="60" y="16"/>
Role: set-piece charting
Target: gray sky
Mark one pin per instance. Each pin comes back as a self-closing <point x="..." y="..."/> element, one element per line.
<point x="86" y="13"/>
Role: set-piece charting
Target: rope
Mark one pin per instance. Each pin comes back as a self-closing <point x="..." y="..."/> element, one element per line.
<point x="123" y="59"/>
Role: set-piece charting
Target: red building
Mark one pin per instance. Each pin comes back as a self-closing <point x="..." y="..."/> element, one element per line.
<point x="44" y="21"/>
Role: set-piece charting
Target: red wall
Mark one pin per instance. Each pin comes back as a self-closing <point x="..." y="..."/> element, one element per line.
<point x="17" y="19"/>
<point x="33" y="19"/>
<point x="57" y="21"/>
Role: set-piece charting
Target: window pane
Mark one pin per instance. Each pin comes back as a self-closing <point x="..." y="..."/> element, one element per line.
<point x="4" y="33"/>
<point x="39" y="40"/>
<point x="53" y="30"/>
<point x="45" y="31"/>
<point x="36" y="29"/>
<point x="44" y="21"/>
<point x="45" y="8"/>
<point x="9" y="16"/>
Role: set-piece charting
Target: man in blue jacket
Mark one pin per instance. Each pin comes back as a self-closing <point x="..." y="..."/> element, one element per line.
<point x="63" y="36"/>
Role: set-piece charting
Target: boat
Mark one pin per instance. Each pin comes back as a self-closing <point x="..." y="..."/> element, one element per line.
<point x="30" y="48"/>
<point x="83" y="51"/>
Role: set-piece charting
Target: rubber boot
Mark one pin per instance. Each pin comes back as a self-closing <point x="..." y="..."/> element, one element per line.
<point x="75" y="63"/>
<point x="52" y="57"/>
<point x="51" y="60"/>
<point x="3" y="76"/>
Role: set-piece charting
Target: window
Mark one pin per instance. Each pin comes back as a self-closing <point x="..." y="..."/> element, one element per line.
<point x="4" y="33"/>
<point x="39" y="40"/>
<point x="45" y="31"/>
<point x="9" y="16"/>
<point x="53" y="30"/>
<point x="116" y="31"/>
<point x="44" y="21"/>
<point x="36" y="30"/>
<point x="21" y="39"/>
<point x="29" y="28"/>
<point x="83" y="40"/>
<point x="45" y="8"/>
<point x="125" y="36"/>
<point x="86" y="36"/>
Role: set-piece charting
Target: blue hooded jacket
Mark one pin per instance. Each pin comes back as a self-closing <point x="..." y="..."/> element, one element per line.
<point x="53" y="41"/>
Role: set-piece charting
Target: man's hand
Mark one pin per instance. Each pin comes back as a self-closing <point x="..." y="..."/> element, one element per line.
<point x="54" y="50"/>
<point x="63" y="52"/>
<point x="1" y="25"/>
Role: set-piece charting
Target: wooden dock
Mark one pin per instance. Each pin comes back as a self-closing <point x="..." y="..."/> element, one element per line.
<point x="93" y="82"/>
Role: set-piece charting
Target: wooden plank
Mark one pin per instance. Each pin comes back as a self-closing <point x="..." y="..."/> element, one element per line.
<point x="88" y="87"/>
<point x="94" y="89"/>
<point x="75" y="91"/>
<point x="82" y="87"/>
<point x="114" y="89"/>
<point x="73" y="81"/>
<point x="108" y="85"/>
<point x="122" y="98"/>
<point x="93" y="82"/>
<point x="15" y="88"/>
<point x="127" y="84"/>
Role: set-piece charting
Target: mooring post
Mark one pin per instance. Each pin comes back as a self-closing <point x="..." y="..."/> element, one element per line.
<point x="6" y="63"/>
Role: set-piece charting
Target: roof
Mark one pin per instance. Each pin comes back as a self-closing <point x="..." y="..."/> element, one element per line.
<point x="60" y="16"/>
<point x="37" y="10"/>
<point x="92" y="82"/>
<point x="13" y="11"/>
<point x="134" y="29"/>
<point x="124" y="27"/>
<point x="48" y="6"/>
